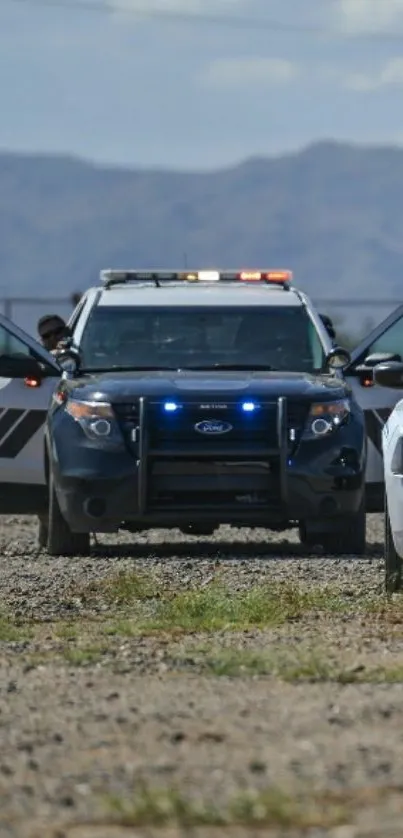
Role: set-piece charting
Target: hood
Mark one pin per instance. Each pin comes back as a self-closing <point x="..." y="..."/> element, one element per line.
<point x="122" y="387"/>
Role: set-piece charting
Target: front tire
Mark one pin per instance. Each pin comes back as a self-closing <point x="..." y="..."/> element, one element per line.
<point x="42" y="532"/>
<point x="61" y="541"/>
<point x="393" y="562"/>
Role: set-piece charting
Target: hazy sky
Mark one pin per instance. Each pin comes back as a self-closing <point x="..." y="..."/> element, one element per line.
<point x="113" y="86"/>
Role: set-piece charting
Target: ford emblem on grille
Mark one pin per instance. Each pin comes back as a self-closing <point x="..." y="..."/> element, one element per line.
<point x="213" y="426"/>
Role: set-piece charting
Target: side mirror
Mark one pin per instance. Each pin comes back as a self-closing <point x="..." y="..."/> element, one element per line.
<point x="69" y="359"/>
<point x="381" y="358"/>
<point x="365" y="371"/>
<point x="389" y="375"/>
<point x="328" y="324"/>
<point x="20" y="366"/>
<point x="338" y="358"/>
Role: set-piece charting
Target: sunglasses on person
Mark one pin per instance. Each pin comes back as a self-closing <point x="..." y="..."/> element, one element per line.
<point x="54" y="333"/>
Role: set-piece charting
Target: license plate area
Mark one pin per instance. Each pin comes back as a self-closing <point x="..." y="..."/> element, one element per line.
<point x="196" y="483"/>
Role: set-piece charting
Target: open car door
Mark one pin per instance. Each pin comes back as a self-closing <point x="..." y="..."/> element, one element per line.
<point x="23" y="409"/>
<point x="385" y="342"/>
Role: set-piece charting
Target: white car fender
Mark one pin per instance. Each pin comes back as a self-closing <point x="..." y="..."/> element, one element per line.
<point x="392" y="445"/>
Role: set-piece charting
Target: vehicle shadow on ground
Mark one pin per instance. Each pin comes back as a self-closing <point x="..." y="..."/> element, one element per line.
<point x="235" y="550"/>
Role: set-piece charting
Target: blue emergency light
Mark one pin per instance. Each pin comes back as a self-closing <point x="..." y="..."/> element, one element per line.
<point x="170" y="407"/>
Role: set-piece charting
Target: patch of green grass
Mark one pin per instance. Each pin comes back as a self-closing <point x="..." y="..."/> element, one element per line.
<point x="67" y="631"/>
<point x="382" y="675"/>
<point x="125" y="588"/>
<point x="315" y="667"/>
<point x="121" y="628"/>
<point x="160" y="808"/>
<point x="142" y="606"/>
<point x="77" y="656"/>
<point x="235" y="663"/>
<point x="215" y="608"/>
<point x="273" y="808"/>
<point x="11" y="632"/>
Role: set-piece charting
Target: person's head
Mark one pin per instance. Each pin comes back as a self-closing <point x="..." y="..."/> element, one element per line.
<point x="51" y="329"/>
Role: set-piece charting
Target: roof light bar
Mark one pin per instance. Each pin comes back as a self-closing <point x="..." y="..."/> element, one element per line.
<point x="112" y="277"/>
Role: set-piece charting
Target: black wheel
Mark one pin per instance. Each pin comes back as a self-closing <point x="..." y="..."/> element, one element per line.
<point x="307" y="538"/>
<point x="61" y="541"/>
<point x="350" y="538"/>
<point x="42" y="532"/>
<point x="393" y="562"/>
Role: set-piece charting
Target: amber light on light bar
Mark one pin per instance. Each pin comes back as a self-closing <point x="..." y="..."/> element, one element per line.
<point x="268" y="276"/>
<point x="250" y="275"/>
<point x="279" y="276"/>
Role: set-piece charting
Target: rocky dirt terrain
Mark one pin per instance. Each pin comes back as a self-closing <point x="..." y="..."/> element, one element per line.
<point x="226" y="686"/>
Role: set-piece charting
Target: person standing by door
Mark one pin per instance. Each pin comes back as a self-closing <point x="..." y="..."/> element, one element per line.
<point x="52" y="330"/>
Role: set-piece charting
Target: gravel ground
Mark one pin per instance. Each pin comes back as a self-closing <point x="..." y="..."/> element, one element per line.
<point x="76" y="729"/>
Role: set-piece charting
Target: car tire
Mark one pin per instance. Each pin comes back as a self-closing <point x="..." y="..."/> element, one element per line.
<point x="393" y="562"/>
<point x="42" y="532"/>
<point x="61" y="541"/>
<point x="307" y="539"/>
<point x="350" y="539"/>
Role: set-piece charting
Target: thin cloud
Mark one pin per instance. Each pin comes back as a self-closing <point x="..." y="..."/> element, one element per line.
<point x="189" y="7"/>
<point x="390" y="75"/>
<point x="358" y="16"/>
<point x="236" y="72"/>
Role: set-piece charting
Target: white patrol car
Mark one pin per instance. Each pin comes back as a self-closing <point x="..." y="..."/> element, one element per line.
<point x="24" y="401"/>
<point x="383" y="344"/>
<point x="390" y="376"/>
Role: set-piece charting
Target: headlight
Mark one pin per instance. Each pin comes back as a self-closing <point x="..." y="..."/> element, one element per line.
<point x="97" y="420"/>
<point x="325" y="417"/>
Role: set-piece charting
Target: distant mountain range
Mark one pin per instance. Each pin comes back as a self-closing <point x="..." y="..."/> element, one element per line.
<point x="333" y="213"/>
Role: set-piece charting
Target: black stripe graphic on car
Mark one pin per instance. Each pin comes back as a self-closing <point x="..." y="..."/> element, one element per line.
<point x="8" y="420"/>
<point x="383" y="413"/>
<point x="21" y="435"/>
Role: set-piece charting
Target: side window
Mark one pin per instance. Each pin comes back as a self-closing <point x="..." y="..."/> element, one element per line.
<point x="316" y="348"/>
<point x="390" y="341"/>
<point x="11" y="345"/>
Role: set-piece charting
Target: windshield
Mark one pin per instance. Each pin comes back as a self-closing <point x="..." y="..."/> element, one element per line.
<point x="278" y="338"/>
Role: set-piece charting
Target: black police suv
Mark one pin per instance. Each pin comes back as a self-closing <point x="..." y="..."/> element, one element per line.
<point x="198" y="400"/>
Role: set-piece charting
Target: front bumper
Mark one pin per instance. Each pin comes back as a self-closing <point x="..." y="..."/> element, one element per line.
<point x="102" y="491"/>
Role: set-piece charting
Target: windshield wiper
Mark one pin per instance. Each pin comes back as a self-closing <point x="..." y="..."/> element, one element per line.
<point x="241" y="367"/>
